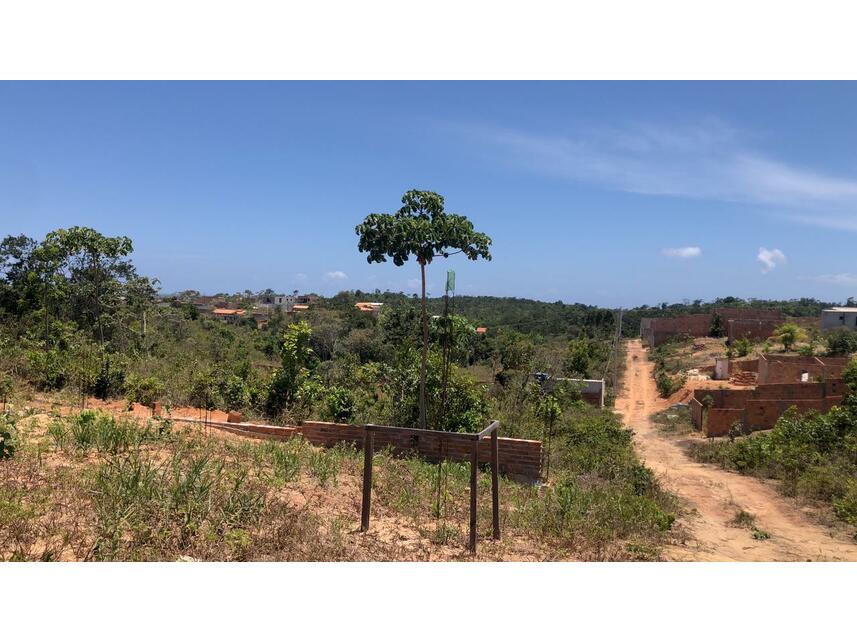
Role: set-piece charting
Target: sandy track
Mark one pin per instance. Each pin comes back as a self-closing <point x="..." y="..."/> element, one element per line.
<point x="713" y="495"/>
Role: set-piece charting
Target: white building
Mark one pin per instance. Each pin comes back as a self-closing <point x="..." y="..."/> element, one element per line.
<point x="839" y="318"/>
<point x="284" y="302"/>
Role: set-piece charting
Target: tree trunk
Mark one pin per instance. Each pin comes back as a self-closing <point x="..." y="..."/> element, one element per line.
<point x="424" y="364"/>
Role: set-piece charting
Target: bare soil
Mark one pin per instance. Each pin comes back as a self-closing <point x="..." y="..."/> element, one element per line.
<point x="714" y="496"/>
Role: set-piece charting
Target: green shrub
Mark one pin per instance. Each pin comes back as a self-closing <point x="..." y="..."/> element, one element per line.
<point x="235" y="393"/>
<point x="339" y="404"/>
<point x="841" y="342"/>
<point x="742" y="347"/>
<point x="667" y="384"/>
<point x="144" y="390"/>
<point x="845" y="506"/>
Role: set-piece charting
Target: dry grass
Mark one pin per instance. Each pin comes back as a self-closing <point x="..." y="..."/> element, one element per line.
<point x="93" y="486"/>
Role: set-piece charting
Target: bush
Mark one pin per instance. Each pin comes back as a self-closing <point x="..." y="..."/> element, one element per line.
<point x="742" y="347"/>
<point x="235" y="392"/>
<point x="7" y="447"/>
<point x="144" y="390"/>
<point x="841" y="342"/>
<point x="667" y="384"/>
<point x="339" y="404"/>
<point x="811" y="455"/>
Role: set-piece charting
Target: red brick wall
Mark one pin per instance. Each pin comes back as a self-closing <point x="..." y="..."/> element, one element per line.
<point x="755" y="329"/>
<point x="696" y="413"/>
<point x="656" y="330"/>
<point x="736" y="365"/>
<point x="760" y="408"/>
<point x="517" y="457"/>
<point x="784" y="369"/>
<point x="720" y="420"/>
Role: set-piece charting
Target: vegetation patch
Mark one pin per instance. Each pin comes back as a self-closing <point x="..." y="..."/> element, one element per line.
<point x="812" y="455"/>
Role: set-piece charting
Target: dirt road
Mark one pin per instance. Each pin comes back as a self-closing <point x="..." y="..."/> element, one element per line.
<point x="713" y="496"/>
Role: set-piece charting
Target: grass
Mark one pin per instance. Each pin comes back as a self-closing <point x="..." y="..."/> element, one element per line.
<point x="674" y="421"/>
<point x="94" y="487"/>
<point x="746" y="520"/>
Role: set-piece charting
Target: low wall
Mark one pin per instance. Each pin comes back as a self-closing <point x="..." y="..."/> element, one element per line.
<point x="517" y="457"/>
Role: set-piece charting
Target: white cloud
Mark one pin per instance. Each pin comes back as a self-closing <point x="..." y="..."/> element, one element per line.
<point x="336" y="275"/>
<point x="770" y="259"/>
<point x="685" y="252"/>
<point x="704" y="160"/>
<point x="300" y="277"/>
<point x="414" y="283"/>
<point x="839" y="279"/>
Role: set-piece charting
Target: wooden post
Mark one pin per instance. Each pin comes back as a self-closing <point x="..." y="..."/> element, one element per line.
<point x="495" y="482"/>
<point x="368" y="449"/>
<point x="474" y="469"/>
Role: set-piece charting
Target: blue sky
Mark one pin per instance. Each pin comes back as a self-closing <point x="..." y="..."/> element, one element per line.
<point x="607" y="193"/>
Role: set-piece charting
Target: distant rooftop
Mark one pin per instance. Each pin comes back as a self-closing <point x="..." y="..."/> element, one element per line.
<point x="840" y="309"/>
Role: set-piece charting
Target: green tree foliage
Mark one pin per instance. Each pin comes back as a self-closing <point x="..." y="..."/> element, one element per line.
<point x="584" y="356"/>
<point x="742" y="347"/>
<point x="464" y="409"/>
<point x="841" y="342"/>
<point x="789" y="334"/>
<point x="147" y="390"/>
<point x="297" y="362"/>
<point x="516" y="350"/>
<point x="716" y="329"/>
<point x="340" y="404"/>
<point x="424" y="230"/>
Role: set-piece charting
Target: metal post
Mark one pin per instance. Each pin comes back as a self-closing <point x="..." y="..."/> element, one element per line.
<point x="474" y="469"/>
<point x="368" y="449"/>
<point x="495" y="482"/>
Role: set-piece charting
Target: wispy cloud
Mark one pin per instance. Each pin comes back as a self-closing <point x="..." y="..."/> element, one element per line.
<point x="839" y="279"/>
<point x="686" y="252"/>
<point x="336" y="275"/>
<point x="703" y="160"/>
<point x="770" y="259"/>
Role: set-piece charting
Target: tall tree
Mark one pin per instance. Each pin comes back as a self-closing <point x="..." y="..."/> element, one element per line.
<point x="97" y="270"/>
<point x="424" y="230"/>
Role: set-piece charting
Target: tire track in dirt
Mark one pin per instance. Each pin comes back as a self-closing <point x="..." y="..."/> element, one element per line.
<point x="713" y="495"/>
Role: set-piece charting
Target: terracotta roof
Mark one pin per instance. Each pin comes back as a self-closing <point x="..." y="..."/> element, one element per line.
<point x="481" y="330"/>
<point x="300" y="307"/>
<point x="228" y="311"/>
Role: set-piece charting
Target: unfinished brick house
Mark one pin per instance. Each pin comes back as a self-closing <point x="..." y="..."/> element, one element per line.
<point x="656" y="330"/>
<point x="781" y="369"/>
<point x="790" y="369"/>
<point x="760" y="408"/>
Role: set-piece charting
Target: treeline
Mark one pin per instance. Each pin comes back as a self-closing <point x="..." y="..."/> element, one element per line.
<point x="803" y="307"/>
<point x="573" y="320"/>
<point x="76" y="316"/>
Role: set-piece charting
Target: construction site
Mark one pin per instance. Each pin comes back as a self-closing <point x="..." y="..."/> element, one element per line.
<point x="751" y="393"/>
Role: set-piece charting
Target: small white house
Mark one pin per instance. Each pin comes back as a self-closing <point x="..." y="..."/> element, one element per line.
<point x="284" y="302"/>
<point x="839" y="318"/>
